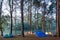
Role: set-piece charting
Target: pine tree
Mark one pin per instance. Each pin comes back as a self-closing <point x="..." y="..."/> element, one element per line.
<point x="11" y="12"/>
<point x="1" y="18"/>
<point x="36" y="3"/>
<point x="22" y="18"/>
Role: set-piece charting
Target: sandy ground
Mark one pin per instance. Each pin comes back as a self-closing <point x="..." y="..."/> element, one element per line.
<point x="30" y="37"/>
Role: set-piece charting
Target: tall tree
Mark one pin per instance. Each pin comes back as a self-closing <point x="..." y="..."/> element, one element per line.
<point x="50" y="12"/>
<point x="30" y="14"/>
<point x="37" y="5"/>
<point x="50" y="20"/>
<point x="43" y="16"/>
<point x="15" y="16"/>
<point x="22" y="18"/>
<point x="57" y="33"/>
<point x="59" y="18"/>
<point x="0" y="17"/>
<point x="11" y="12"/>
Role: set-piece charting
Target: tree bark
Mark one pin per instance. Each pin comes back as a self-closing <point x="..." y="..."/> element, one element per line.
<point x="15" y="17"/>
<point x="1" y="18"/>
<point x="22" y="18"/>
<point x="30" y="15"/>
<point x="11" y="12"/>
<point x="58" y="18"/>
<point x="43" y="17"/>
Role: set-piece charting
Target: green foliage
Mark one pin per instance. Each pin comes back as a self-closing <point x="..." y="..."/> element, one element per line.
<point x="5" y="20"/>
<point x="36" y="3"/>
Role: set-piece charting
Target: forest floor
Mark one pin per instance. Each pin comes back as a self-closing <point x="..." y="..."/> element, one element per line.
<point x="30" y="37"/>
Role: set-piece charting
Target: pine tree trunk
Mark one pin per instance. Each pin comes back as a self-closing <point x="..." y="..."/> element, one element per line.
<point x="43" y="23"/>
<point x="50" y="21"/>
<point x="0" y="18"/>
<point x="30" y="15"/>
<point x="22" y="18"/>
<point x="11" y="12"/>
<point x="15" y="18"/>
<point x="36" y="21"/>
<point x="57" y="19"/>
<point x="43" y="17"/>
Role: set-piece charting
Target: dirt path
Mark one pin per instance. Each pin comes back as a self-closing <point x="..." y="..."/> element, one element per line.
<point x="30" y="37"/>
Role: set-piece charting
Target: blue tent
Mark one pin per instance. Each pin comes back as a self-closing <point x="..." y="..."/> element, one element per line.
<point x="8" y="36"/>
<point x="40" y="34"/>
